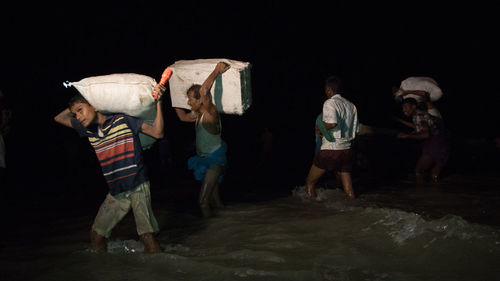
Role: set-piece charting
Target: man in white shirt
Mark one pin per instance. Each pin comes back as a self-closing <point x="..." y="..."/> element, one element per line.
<point x="340" y="120"/>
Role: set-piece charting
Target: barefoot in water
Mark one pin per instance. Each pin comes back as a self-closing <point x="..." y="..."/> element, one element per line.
<point x="150" y="243"/>
<point x="97" y="242"/>
<point x="311" y="192"/>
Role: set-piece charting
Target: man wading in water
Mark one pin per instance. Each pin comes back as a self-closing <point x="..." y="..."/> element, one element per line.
<point x="115" y="139"/>
<point x="340" y="121"/>
<point x="210" y="158"/>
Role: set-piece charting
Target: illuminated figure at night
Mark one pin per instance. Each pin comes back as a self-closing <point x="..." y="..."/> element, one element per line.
<point x="338" y="127"/>
<point x="115" y="139"/>
<point x="435" y="146"/>
<point x="210" y="159"/>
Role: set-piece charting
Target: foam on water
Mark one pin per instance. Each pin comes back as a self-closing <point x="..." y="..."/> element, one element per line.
<point x="401" y="225"/>
<point x="291" y="238"/>
<point x="127" y="246"/>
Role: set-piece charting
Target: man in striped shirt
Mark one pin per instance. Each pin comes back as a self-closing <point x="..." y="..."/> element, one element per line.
<point x="115" y="139"/>
<point x="435" y="143"/>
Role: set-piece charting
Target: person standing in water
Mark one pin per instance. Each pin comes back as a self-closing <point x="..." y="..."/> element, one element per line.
<point x="425" y="104"/>
<point x="435" y="146"/>
<point x="115" y="139"/>
<point x="210" y="158"/>
<point x="339" y="128"/>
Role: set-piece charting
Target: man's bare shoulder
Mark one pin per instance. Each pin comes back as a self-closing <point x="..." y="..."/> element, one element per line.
<point x="212" y="115"/>
<point x="211" y="121"/>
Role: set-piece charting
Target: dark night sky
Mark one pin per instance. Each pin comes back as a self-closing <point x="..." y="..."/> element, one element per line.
<point x="292" y="48"/>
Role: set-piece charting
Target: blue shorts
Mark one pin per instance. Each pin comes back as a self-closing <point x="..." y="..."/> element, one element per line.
<point x="200" y="165"/>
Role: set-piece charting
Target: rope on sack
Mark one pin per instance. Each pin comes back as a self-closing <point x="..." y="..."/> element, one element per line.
<point x="67" y="84"/>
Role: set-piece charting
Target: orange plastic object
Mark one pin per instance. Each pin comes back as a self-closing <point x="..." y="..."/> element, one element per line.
<point x="167" y="73"/>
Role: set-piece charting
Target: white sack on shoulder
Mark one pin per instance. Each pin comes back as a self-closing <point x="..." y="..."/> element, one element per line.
<point x="127" y="93"/>
<point x="426" y="84"/>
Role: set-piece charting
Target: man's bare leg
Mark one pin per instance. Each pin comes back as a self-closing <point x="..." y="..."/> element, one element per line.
<point x="97" y="242"/>
<point x="216" y="202"/>
<point x="436" y="172"/>
<point x="151" y="245"/>
<point x="345" y="177"/>
<point x="314" y="175"/>
<point x="423" y="164"/>
<point x="207" y="188"/>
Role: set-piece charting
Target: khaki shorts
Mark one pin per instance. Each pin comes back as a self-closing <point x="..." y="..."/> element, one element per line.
<point x="113" y="210"/>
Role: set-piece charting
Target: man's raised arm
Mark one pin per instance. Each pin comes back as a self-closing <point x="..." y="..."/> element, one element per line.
<point x="156" y="130"/>
<point x="64" y="118"/>
<point x="220" y="68"/>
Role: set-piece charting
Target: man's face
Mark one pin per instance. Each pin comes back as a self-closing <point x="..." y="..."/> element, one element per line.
<point x="193" y="102"/>
<point x="408" y="109"/>
<point x="84" y="113"/>
<point x="328" y="92"/>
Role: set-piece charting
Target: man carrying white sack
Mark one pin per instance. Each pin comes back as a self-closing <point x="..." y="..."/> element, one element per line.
<point x="210" y="160"/>
<point x="115" y="139"/>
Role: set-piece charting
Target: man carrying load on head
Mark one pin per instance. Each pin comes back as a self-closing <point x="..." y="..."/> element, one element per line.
<point x="210" y="158"/>
<point x="115" y="139"/>
<point x="435" y="144"/>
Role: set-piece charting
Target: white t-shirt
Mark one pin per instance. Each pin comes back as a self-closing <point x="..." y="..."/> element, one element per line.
<point x="434" y="112"/>
<point x="342" y="112"/>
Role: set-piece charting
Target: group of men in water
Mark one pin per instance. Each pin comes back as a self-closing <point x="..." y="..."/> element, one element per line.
<point x="337" y="127"/>
<point x="115" y="139"/>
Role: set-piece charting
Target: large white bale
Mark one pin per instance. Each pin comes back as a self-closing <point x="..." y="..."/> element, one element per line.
<point x="126" y="93"/>
<point x="426" y="84"/>
<point x="231" y="92"/>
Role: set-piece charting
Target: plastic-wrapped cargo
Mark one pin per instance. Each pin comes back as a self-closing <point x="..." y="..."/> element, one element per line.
<point x="426" y="84"/>
<point x="231" y="92"/>
<point x="126" y="93"/>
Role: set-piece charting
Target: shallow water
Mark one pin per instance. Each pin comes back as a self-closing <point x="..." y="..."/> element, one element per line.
<point x="379" y="236"/>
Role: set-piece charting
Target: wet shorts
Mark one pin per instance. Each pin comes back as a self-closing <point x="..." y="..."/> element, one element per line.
<point x="334" y="160"/>
<point x="438" y="148"/>
<point x="113" y="209"/>
<point x="200" y="165"/>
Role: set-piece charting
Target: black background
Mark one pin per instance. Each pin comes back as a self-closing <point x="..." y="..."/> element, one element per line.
<point x="292" y="47"/>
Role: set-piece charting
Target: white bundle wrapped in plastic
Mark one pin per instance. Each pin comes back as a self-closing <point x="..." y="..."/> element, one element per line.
<point x="425" y="84"/>
<point x="126" y="93"/>
<point x="231" y="92"/>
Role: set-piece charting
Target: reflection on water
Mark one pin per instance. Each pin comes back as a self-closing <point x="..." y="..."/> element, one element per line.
<point x="289" y="238"/>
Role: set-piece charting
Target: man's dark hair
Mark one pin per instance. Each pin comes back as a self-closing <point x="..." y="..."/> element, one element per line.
<point x="333" y="82"/>
<point x="410" y="101"/>
<point x="76" y="99"/>
<point x="196" y="90"/>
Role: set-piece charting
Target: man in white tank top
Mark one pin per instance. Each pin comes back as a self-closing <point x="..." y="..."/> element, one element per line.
<point x="211" y="150"/>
